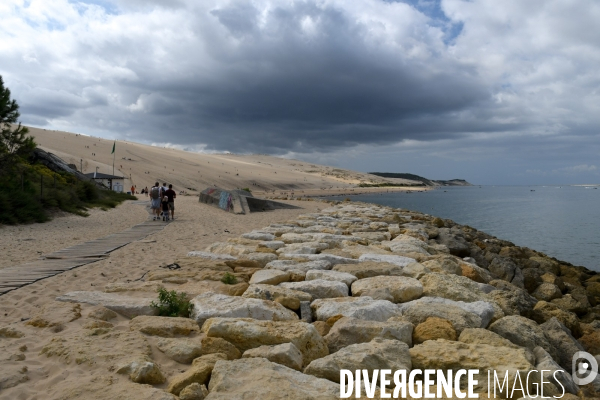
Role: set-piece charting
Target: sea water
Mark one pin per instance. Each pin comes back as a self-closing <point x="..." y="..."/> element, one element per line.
<point x="561" y="221"/>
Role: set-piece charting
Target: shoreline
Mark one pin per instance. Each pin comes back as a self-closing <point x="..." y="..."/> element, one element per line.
<point x="323" y="193"/>
<point x="479" y="283"/>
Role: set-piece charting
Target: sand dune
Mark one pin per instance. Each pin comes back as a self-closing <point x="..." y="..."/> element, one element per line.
<point x="142" y="165"/>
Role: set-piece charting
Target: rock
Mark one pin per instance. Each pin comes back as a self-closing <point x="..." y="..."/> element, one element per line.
<point x="553" y="279"/>
<point x="522" y="332"/>
<point x="503" y="268"/>
<point x="547" y="292"/>
<point x="285" y="354"/>
<point x="261" y="258"/>
<point x="335" y="276"/>
<point x="562" y="340"/>
<point x="142" y="371"/>
<point x="213" y="345"/>
<point x="418" y="311"/>
<point x="532" y="278"/>
<point x="400" y="289"/>
<point x="374" y="355"/>
<point x="543" y="311"/>
<point x="373" y="236"/>
<point x="102" y="313"/>
<point x="246" y="333"/>
<point x="547" y="265"/>
<point x="269" y="277"/>
<point x="127" y="306"/>
<point x="258" y="378"/>
<point x="511" y="299"/>
<point x="455" y="244"/>
<point x="210" y="256"/>
<point x="181" y="350"/>
<point x="543" y="362"/>
<point x="286" y="297"/>
<point x="370" y="269"/>
<point x="415" y="270"/>
<point x="358" y="307"/>
<point x="257" y="235"/>
<point x="195" y="391"/>
<point x="434" y="328"/>
<point x="483" y="336"/>
<point x="391" y="259"/>
<point x="484" y="310"/>
<point x="273" y="245"/>
<point x="200" y="372"/>
<point x="194" y="288"/>
<point x="306" y="312"/>
<point x="319" y="288"/>
<point x="290" y="265"/>
<point x="570" y="304"/>
<point x="163" y="326"/>
<point x="447" y="355"/>
<point x="591" y="342"/>
<point x="289" y="238"/>
<point x="55" y="314"/>
<point x="209" y="305"/>
<point x="475" y="273"/>
<point x="346" y="331"/>
<point x="322" y="327"/>
<point x="453" y="287"/>
<point x="10" y="332"/>
<point x="444" y="265"/>
<point x="333" y="260"/>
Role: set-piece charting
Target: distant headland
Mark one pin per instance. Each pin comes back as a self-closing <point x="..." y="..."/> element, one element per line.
<point x="425" y="181"/>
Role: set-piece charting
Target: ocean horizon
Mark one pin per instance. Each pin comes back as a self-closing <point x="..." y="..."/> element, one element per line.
<point x="558" y="220"/>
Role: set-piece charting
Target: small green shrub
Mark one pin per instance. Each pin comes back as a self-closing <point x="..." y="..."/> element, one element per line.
<point x="172" y="304"/>
<point x="247" y="190"/>
<point x="229" y="279"/>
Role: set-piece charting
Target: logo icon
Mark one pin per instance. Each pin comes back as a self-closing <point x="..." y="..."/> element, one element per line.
<point x="584" y="367"/>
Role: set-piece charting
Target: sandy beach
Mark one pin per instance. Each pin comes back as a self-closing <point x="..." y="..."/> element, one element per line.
<point x="195" y="227"/>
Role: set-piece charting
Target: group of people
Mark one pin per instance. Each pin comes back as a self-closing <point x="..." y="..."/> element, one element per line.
<point x="162" y="201"/>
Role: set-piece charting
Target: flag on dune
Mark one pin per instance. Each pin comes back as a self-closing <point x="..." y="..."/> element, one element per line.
<point x="114" y="144"/>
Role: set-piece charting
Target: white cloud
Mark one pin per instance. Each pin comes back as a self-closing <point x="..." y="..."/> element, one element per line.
<point x="353" y="83"/>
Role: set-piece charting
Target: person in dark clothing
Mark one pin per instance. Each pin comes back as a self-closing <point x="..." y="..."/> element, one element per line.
<point x="170" y="193"/>
<point x="165" y="208"/>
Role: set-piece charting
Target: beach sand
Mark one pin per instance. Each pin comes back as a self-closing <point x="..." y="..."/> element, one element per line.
<point x="196" y="226"/>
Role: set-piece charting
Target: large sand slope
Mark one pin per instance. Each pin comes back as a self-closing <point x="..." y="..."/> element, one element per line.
<point x="144" y="164"/>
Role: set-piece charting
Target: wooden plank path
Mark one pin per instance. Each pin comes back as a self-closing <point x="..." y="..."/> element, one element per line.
<point x="12" y="278"/>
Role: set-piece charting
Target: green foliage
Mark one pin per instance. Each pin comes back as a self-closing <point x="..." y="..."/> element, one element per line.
<point x="172" y="304"/>
<point x="247" y="190"/>
<point x="229" y="279"/>
<point x="14" y="141"/>
<point x="33" y="190"/>
<point x="30" y="190"/>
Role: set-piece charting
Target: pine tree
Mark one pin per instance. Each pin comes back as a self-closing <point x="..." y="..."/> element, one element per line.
<point x="14" y="141"/>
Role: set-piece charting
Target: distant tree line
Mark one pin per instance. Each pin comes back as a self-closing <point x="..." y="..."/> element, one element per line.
<point x="30" y="191"/>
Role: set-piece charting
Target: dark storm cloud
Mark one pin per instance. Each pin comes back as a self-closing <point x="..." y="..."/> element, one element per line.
<point x="336" y="78"/>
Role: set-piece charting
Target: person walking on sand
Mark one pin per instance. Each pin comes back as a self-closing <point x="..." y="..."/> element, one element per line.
<point x="163" y="189"/>
<point x="132" y="189"/>
<point x="171" y="195"/>
<point x="155" y="201"/>
<point x="146" y="191"/>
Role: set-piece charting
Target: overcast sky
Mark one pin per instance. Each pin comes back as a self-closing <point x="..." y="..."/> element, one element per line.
<point x="495" y="92"/>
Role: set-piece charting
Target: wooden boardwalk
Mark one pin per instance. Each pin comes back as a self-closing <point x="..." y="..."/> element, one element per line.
<point x="12" y="278"/>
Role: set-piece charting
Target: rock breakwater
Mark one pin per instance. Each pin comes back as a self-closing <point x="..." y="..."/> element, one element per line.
<point x="355" y="286"/>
